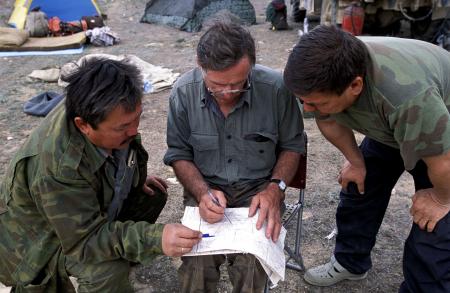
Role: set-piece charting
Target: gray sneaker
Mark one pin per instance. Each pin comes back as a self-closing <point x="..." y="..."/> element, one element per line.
<point x="329" y="274"/>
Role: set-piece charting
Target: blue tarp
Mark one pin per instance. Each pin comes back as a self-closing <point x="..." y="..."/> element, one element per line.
<point x="68" y="10"/>
<point x="41" y="53"/>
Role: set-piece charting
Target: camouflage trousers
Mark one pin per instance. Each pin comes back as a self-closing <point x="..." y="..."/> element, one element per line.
<point x="109" y="276"/>
<point x="201" y="273"/>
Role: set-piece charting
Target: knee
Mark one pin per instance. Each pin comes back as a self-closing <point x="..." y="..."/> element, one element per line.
<point x="160" y="198"/>
<point x="109" y="276"/>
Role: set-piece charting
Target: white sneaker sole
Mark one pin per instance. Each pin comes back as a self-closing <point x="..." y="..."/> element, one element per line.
<point x="331" y="282"/>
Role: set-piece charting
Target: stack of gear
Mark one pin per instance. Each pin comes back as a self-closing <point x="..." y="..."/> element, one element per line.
<point x="38" y="26"/>
<point x="276" y="13"/>
<point x="62" y="28"/>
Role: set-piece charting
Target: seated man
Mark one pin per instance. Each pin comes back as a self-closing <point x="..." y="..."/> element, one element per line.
<point x="76" y="199"/>
<point x="235" y="136"/>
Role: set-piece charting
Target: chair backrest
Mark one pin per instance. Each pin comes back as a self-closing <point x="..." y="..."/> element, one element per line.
<point x="299" y="180"/>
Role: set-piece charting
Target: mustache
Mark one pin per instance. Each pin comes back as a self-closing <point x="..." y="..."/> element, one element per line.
<point x="128" y="140"/>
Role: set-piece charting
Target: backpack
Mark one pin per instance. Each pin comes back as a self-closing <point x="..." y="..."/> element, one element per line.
<point x="36" y="23"/>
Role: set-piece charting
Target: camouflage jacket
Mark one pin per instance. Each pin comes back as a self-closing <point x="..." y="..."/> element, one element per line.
<point x="406" y="97"/>
<point x="55" y="196"/>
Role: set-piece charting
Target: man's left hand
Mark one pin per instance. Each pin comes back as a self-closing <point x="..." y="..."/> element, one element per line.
<point x="268" y="201"/>
<point x="426" y="211"/>
<point x="153" y="181"/>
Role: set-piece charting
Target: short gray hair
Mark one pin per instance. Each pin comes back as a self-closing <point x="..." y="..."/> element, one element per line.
<point x="223" y="45"/>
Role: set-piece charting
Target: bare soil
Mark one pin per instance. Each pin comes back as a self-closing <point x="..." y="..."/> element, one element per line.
<point x="168" y="47"/>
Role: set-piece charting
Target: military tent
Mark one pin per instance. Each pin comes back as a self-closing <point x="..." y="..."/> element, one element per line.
<point x="189" y="15"/>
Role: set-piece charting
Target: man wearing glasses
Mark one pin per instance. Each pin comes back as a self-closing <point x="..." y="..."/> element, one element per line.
<point x="234" y="138"/>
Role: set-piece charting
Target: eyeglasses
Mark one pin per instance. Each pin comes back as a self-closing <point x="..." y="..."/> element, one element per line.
<point x="219" y="94"/>
<point x="222" y="93"/>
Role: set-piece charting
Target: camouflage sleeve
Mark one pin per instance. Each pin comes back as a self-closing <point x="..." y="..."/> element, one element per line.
<point x="421" y="127"/>
<point x="72" y="209"/>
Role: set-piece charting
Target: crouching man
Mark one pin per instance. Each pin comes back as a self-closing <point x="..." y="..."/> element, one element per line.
<point x="76" y="199"/>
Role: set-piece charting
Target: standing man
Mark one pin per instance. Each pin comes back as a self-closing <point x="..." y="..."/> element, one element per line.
<point x="76" y="199"/>
<point x="397" y="93"/>
<point x="234" y="133"/>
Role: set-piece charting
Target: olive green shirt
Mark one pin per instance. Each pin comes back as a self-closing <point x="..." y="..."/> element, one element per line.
<point x="55" y="195"/>
<point x="406" y="98"/>
<point x="244" y="145"/>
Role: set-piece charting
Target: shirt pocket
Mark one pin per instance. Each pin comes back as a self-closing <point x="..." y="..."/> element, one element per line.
<point x="206" y="152"/>
<point x="260" y="151"/>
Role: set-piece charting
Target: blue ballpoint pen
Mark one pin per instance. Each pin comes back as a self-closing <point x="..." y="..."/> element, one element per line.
<point x="217" y="203"/>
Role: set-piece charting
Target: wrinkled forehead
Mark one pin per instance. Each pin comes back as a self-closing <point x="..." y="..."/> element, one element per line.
<point x="235" y="74"/>
<point x="122" y="116"/>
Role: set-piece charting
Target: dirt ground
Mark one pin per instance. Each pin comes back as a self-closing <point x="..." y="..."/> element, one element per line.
<point x="165" y="46"/>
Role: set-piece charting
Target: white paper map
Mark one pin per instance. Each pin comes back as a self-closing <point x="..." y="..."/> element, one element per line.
<point x="239" y="236"/>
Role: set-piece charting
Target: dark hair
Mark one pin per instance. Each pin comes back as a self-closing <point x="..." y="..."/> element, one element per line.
<point x="98" y="86"/>
<point x="223" y="45"/>
<point x="326" y="59"/>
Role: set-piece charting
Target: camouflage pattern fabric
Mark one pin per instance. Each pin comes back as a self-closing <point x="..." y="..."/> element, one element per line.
<point x="54" y="199"/>
<point x="201" y="273"/>
<point x="406" y="98"/>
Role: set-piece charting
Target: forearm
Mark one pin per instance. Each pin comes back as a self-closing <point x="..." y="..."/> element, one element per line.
<point x="342" y="138"/>
<point x="190" y="177"/>
<point x="286" y="166"/>
<point x="439" y="174"/>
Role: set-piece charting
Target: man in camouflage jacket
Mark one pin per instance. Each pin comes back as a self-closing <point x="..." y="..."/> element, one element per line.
<point x="76" y="199"/>
<point x="397" y="93"/>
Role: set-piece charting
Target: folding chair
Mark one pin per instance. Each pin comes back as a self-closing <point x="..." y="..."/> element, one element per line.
<point x="294" y="211"/>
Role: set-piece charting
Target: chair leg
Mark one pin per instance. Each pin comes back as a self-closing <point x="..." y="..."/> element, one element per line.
<point x="295" y="255"/>
<point x="298" y="237"/>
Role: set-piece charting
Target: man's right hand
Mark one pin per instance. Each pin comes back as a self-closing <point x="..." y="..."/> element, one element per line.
<point x="210" y="211"/>
<point x="353" y="173"/>
<point x="178" y="239"/>
<point x="342" y="137"/>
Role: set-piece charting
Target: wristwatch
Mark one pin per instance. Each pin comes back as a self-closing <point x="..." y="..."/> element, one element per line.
<point x="281" y="184"/>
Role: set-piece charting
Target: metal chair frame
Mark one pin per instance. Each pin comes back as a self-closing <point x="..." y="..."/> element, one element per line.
<point x="294" y="260"/>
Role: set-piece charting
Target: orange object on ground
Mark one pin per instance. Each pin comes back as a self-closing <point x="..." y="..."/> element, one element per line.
<point x="353" y="20"/>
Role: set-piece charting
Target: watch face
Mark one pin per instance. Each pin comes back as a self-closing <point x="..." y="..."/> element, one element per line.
<point x="282" y="185"/>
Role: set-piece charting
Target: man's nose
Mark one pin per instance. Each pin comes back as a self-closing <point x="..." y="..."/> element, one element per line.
<point x="132" y="131"/>
<point x="308" y="107"/>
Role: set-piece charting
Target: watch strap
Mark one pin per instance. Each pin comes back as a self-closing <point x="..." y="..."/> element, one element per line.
<point x="281" y="184"/>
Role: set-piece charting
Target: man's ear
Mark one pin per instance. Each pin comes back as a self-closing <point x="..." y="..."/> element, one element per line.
<point x="356" y="86"/>
<point x="82" y="125"/>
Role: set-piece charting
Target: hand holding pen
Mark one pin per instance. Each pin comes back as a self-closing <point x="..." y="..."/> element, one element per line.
<point x="212" y="206"/>
<point x="216" y="202"/>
